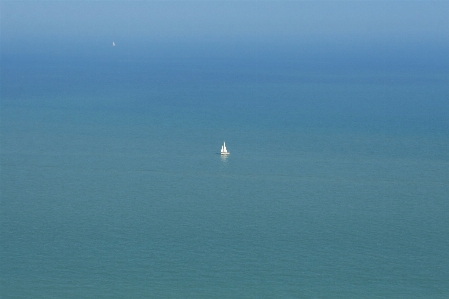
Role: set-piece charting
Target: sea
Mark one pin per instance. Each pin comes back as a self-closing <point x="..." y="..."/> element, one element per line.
<point x="112" y="185"/>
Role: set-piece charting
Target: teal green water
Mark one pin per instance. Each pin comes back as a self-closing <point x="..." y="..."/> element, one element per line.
<point x="336" y="185"/>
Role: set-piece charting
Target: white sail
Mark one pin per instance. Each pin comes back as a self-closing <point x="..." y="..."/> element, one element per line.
<point x="224" y="151"/>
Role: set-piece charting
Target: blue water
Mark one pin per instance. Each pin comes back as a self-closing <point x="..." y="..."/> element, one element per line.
<point x="111" y="185"/>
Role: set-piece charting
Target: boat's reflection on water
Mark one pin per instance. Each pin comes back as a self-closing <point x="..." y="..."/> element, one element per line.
<point x="224" y="158"/>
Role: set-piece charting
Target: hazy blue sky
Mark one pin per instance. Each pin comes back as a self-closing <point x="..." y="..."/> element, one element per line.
<point x="216" y="20"/>
<point x="317" y="25"/>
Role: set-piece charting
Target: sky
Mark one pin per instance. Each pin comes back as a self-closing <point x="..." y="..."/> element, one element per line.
<point x="351" y="28"/>
<point x="212" y="20"/>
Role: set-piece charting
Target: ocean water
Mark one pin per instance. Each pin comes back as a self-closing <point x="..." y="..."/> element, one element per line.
<point x="337" y="185"/>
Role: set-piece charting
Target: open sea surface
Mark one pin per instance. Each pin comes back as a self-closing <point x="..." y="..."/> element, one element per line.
<point x="337" y="185"/>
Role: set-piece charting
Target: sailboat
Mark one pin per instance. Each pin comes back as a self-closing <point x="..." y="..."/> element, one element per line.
<point x="224" y="151"/>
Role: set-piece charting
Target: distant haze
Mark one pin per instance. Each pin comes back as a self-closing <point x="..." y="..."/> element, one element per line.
<point x="406" y="30"/>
